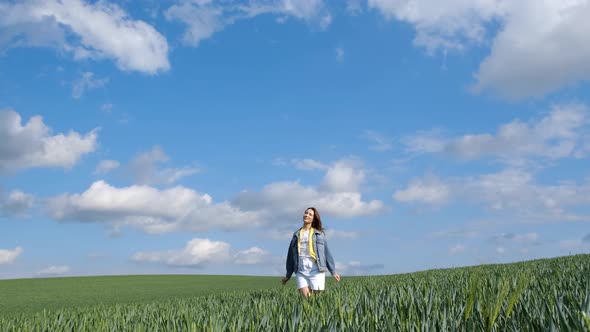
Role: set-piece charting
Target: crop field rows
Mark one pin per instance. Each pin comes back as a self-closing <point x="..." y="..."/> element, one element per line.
<point x="543" y="295"/>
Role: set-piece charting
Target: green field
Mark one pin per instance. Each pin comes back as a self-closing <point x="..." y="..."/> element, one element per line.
<point x="542" y="295"/>
<point x="31" y="295"/>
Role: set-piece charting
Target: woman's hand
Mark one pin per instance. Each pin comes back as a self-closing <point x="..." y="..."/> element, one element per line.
<point x="337" y="277"/>
<point x="284" y="280"/>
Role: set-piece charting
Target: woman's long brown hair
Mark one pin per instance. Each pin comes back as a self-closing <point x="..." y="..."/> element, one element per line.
<point x="317" y="220"/>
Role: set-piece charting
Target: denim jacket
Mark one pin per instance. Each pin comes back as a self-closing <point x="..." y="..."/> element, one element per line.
<point x="324" y="257"/>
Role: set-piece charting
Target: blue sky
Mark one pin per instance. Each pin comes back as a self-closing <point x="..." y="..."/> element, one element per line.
<point x="144" y="137"/>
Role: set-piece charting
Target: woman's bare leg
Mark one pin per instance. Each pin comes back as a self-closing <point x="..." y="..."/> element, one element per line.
<point x="305" y="291"/>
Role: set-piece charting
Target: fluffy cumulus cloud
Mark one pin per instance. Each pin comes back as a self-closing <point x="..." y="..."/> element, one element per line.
<point x="54" y="270"/>
<point x="527" y="56"/>
<point x="196" y="253"/>
<point x="206" y="17"/>
<point x="517" y="190"/>
<point x="527" y="39"/>
<point x="509" y="189"/>
<point x="144" y="170"/>
<point x="253" y="256"/>
<point x="179" y="208"/>
<point x="8" y="256"/>
<point x="338" y="195"/>
<point x="33" y="145"/>
<point x="343" y="176"/>
<point x="560" y="133"/>
<point x="150" y="209"/>
<point x="15" y="204"/>
<point x="429" y="190"/>
<point x="199" y="252"/>
<point x="453" y="25"/>
<point x="85" y="30"/>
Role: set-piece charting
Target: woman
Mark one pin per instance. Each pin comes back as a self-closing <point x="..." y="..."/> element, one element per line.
<point x="308" y="255"/>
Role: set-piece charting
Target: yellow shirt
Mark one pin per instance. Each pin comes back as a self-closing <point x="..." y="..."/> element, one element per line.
<point x="309" y="243"/>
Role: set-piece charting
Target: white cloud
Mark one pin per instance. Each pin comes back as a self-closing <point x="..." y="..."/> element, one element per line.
<point x="356" y="268"/>
<point x="558" y="134"/>
<point x="336" y="196"/>
<point x="516" y="189"/>
<point x="527" y="57"/>
<point x="87" y="82"/>
<point x="302" y="9"/>
<point x="380" y="142"/>
<point x="252" y="256"/>
<point x="429" y="190"/>
<point x="180" y="208"/>
<point x="500" y="250"/>
<point x="32" y="145"/>
<point x="16" y="204"/>
<point x="200" y="252"/>
<point x="453" y="25"/>
<point x="527" y="39"/>
<point x="144" y="171"/>
<point x="196" y="253"/>
<point x="289" y="199"/>
<point x="354" y="7"/>
<point x="54" y="270"/>
<point x="308" y="164"/>
<point x="150" y="209"/>
<point x="137" y="46"/>
<point x="8" y="256"/>
<point x="426" y="142"/>
<point x="561" y="133"/>
<point x="343" y="176"/>
<point x="279" y="162"/>
<point x="105" y="166"/>
<point x="457" y="249"/>
<point x="204" y="18"/>
<point x="507" y="190"/>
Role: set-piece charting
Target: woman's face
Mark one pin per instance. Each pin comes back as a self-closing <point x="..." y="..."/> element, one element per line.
<point x="308" y="216"/>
